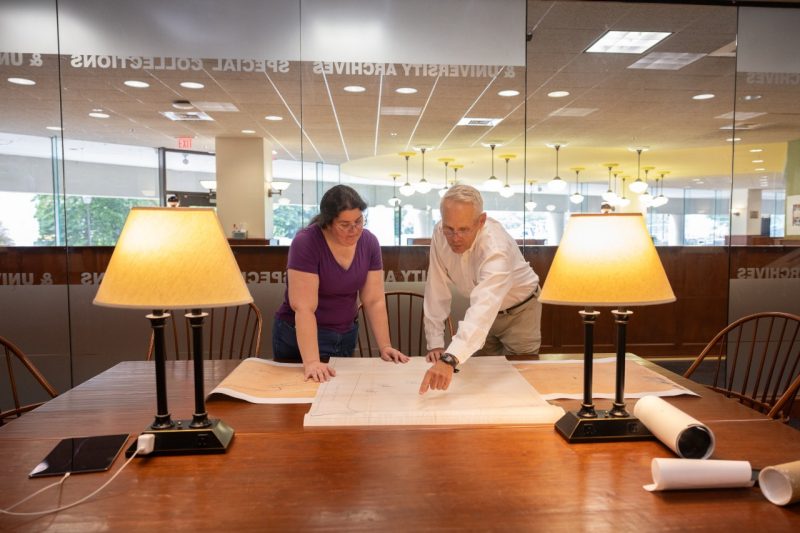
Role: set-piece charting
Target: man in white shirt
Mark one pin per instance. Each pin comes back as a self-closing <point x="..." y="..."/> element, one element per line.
<point x="476" y="255"/>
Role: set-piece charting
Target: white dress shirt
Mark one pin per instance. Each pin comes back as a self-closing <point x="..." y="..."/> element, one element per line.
<point x="492" y="273"/>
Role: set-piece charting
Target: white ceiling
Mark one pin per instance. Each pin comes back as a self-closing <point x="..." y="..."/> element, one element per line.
<point x="364" y="132"/>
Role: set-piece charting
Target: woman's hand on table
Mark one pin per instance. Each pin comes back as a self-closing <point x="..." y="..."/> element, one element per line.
<point x="318" y="371"/>
<point x="390" y="354"/>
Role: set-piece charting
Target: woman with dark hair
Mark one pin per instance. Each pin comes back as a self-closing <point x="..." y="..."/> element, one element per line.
<point x="332" y="263"/>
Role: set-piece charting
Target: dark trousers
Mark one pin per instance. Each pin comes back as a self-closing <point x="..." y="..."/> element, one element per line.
<point x="331" y="343"/>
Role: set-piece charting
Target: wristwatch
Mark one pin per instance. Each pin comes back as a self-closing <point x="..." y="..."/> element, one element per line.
<point x="451" y="360"/>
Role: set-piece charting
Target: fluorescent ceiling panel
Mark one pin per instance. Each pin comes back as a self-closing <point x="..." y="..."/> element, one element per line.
<point x="573" y="112"/>
<point x="665" y="61"/>
<point x="627" y="42"/>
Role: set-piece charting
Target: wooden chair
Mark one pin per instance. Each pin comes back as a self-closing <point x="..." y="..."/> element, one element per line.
<point x="228" y="333"/>
<point x="406" y="328"/>
<point x="756" y="359"/>
<point x="14" y="356"/>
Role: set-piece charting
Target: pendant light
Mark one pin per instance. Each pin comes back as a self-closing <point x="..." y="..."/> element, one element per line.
<point x="660" y="200"/>
<point x="407" y="189"/>
<point x="577" y="197"/>
<point x="507" y="191"/>
<point x="446" y="161"/>
<point x="423" y="187"/>
<point x="493" y="184"/>
<point x="617" y="197"/>
<point x="638" y="186"/>
<point x="455" y="168"/>
<point x="646" y="198"/>
<point x="557" y="184"/>
<point x="394" y="201"/>
<point x="610" y="196"/>
<point x="530" y="205"/>
<point x="624" y="200"/>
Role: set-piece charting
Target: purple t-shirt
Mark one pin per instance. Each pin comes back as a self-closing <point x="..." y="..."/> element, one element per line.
<point x="338" y="288"/>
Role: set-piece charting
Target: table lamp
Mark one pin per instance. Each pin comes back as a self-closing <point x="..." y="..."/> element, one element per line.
<point x="175" y="258"/>
<point x="605" y="260"/>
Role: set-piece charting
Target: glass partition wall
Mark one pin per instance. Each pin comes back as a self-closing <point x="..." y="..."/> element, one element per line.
<point x="528" y="101"/>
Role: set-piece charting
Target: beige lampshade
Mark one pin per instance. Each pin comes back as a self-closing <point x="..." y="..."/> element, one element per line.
<point x="606" y="260"/>
<point x="172" y="258"/>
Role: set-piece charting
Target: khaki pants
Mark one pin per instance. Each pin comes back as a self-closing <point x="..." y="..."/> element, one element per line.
<point x="516" y="332"/>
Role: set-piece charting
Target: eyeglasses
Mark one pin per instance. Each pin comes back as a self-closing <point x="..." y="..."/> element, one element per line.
<point x="460" y="232"/>
<point x="351" y="226"/>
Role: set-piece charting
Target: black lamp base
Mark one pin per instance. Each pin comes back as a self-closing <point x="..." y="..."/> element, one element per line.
<point x="603" y="428"/>
<point x="185" y="440"/>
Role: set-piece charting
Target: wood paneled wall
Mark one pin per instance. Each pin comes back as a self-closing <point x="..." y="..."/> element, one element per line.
<point x="699" y="276"/>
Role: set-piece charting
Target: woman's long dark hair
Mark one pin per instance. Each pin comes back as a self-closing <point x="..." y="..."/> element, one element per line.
<point x="335" y="200"/>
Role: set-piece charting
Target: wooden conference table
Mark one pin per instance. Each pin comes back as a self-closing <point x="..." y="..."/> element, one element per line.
<point x="278" y="476"/>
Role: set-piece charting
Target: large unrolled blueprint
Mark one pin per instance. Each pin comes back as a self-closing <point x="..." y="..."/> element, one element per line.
<point x="373" y="392"/>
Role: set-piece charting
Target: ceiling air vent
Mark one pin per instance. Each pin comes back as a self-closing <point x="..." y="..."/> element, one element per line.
<point x="192" y="116"/>
<point x="466" y="121"/>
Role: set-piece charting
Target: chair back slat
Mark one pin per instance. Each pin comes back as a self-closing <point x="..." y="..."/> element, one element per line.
<point x="756" y="359"/>
<point x="228" y="333"/>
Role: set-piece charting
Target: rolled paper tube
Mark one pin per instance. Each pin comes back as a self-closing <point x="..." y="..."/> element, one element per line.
<point x="673" y="474"/>
<point x="684" y="435"/>
<point x="780" y="484"/>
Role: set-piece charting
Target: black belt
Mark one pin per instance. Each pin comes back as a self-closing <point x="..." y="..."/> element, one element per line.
<point x="532" y="295"/>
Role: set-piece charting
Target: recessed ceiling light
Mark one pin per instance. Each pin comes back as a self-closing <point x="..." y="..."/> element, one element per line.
<point x="248" y="131"/>
<point x="53" y="128"/>
<point x="558" y="94"/>
<point x="627" y="42"/>
<point x="733" y="139"/>
<point x="751" y="97"/>
<point x="393" y="134"/>
<point x="508" y="92"/>
<point x="137" y="84"/>
<point x="354" y="89"/>
<point x="97" y="114"/>
<point x="403" y="90"/>
<point x="757" y="161"/>
<point x="21" y="81"/>
<point x="704" y="96"/>
<point x="273" y="118"/>
<point x="191" y="85"/>
<point x="665" y="61"/>
<point x="182" y="104"/>
<point x="759" y="169"/>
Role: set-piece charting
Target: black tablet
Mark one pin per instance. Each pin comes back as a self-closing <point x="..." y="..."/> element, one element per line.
<point x="81" y="454"/>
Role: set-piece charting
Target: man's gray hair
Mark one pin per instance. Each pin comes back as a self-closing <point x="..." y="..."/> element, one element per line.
<point x="464" y="194"/>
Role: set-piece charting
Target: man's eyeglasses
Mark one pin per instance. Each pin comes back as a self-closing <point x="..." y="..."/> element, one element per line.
<point x="351" y="226"/>
<point x="460" y="232"/>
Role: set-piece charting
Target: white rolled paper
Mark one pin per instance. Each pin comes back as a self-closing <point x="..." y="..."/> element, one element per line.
<point x="674" y="474"/>
<point x="684" y="435"/>
<point x="780" y="484"/>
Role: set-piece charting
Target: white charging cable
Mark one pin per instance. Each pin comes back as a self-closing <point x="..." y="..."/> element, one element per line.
<point x="144" y="445"/>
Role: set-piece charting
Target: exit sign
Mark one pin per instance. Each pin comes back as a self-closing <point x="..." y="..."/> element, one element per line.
<point x="185" y="143"/>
